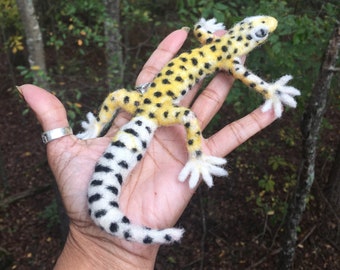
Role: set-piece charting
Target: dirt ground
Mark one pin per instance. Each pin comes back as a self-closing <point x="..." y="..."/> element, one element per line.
<point x="225" y="229"/>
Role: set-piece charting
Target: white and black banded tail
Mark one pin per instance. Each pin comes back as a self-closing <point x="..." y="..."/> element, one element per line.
<point x="111" y="170"/>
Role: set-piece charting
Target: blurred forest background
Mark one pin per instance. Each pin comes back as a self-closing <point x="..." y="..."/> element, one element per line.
<point x="280" y="206"/>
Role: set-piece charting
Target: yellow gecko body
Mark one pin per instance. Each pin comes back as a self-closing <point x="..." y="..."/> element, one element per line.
<point x="160" y="106"/>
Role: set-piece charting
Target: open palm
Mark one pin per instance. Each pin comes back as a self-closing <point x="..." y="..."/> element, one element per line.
<point x="152" y="195"/>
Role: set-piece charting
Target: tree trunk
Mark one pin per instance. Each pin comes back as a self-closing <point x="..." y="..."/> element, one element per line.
<point x="35" y="46"/>
<point x="310" y="127"/>
<point x="334" y="182"/>
<point x="114" y="54"/>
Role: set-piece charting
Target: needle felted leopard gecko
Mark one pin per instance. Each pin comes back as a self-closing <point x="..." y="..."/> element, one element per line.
<point x="160" y="106"/>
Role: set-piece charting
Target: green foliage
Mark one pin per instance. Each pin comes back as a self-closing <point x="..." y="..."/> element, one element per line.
<point x="267" y="183"/>
<point x="77" y="23"/>
<point x="33" y="74"/>
<point x="194" y="9"/>
<point x="272" y="185"/>
<point x="9" y="17"/>
<point x="50" y="214"/>
<point x="11" y="37"/>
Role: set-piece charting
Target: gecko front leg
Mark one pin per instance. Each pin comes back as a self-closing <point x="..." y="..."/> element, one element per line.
<point x="122" y="98"/>
<point x="275" y="94"/>
<point x="199" y="165"/>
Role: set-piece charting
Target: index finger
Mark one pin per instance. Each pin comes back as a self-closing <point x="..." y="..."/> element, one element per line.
<point x="165" y="51"/>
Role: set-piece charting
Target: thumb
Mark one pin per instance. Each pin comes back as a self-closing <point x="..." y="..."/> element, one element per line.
<point x="48" y="109"/>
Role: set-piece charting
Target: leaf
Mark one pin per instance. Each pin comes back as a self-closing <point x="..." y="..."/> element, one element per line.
<point x="35" y="67"/>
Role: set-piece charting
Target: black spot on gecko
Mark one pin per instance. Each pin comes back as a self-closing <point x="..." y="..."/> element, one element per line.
<point x="123" y="164"/>
<point x="118" y="144"/>
<point x="100" y="213"/>
<point x="157" y="94"/>
<point x="94" y="198"/>
<point x="113" y="189"/>
<point x="108" y="155"/>
<point x="114" y="204"/>
<point x="147" y="101"/>
<point x="101" y="168"/>
<point x="114" y="227"/>
<point x="127" y="235"/>
<point x="198" y="153"/>
<point x="147" y="240"/>
<point x="125" y="220"/>
<point x="119" y="178"/>
<point x="139" y="123"/>
<point x="95" y="183"/>
<point x="170" y="93"/>
<point x="131" y="131"/>
<point x="165" y="81"/>
<point x="144" y="144"/>
<point x="168" y="238"/>
<point x="179" y="79"/>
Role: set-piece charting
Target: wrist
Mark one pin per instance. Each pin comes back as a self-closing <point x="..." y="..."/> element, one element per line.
<point x="97" y="251"/>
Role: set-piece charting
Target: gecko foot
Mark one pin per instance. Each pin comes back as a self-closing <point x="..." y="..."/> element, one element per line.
<point x="210" y="25"/>
<point x="205" y="166"/>
<point x="280" y="93"/>
<point x="91" y="128"/>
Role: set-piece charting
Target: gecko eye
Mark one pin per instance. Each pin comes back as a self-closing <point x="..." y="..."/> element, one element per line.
<point x="261" y="33"/>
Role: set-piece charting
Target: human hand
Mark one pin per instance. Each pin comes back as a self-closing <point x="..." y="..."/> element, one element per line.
<point x="152" y="195"/>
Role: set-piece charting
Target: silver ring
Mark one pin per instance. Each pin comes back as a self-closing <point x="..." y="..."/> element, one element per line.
<point x="54" y="134"/>
<point x="143" y="87"/>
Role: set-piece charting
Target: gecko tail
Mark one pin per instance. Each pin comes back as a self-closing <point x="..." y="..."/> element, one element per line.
<point x="111" y="171"/>
<point x="114" y="222"/>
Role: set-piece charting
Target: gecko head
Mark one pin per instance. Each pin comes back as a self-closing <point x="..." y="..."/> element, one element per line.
<point x="252" y="31"/>
<point x="260" y="27"/>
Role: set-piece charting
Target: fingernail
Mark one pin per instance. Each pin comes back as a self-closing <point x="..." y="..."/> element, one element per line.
<point x="186" y="29"/>
<point x="20" y="92"/>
